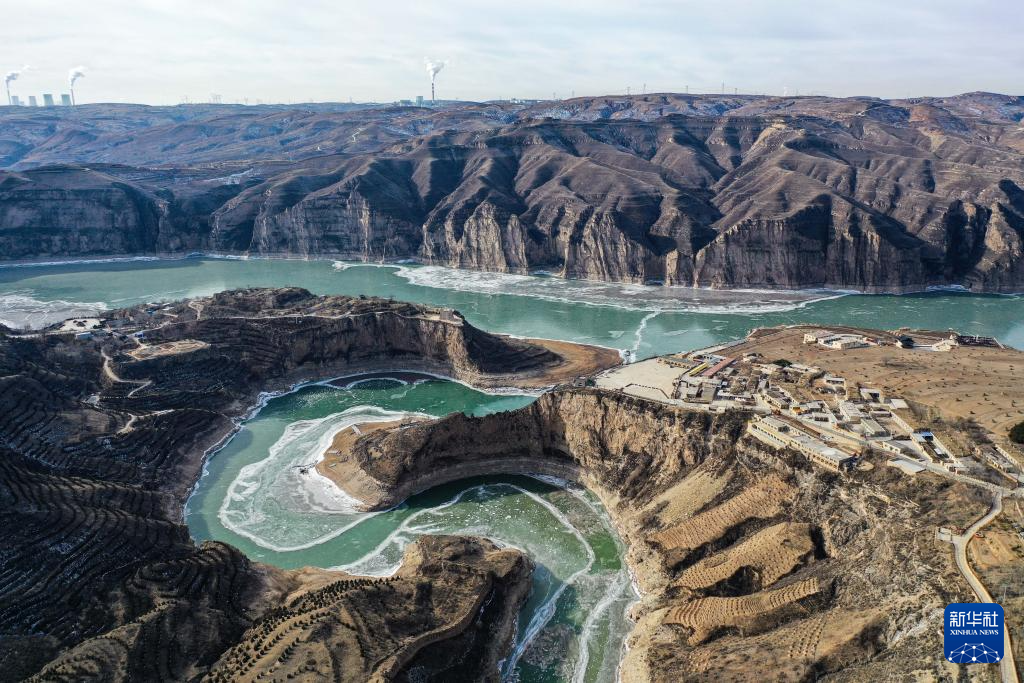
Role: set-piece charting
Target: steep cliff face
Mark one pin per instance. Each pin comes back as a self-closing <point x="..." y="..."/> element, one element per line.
<point x="721" y="192"/>
<point x="75" y="211"/>
<point x="81" y="213"/>
<point x="262" y="335"/>
<point x="581" y="435"/>
<point x="100" y="448"/>
<point x="754" y="565"/>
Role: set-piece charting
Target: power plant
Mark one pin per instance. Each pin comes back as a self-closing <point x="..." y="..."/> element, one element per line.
<point x="8" y="77"/>
<point x="66" y="99"/>
<point x="48" y="100"/>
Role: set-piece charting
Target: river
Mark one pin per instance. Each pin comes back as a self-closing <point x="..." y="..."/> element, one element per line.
<point x="648" y="320"/>
<point x="254" y="496"/>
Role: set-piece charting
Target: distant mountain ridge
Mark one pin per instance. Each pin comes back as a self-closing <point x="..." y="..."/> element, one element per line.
<point x="721" y="191"/>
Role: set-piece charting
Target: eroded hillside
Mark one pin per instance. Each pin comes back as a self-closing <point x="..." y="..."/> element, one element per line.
<point x="692" y="190"/>
<point x="752" y="563"/>
<point x="102" y="437"/>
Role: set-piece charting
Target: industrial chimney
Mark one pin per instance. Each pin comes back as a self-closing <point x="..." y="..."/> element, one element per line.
<point x="433" y="68"/>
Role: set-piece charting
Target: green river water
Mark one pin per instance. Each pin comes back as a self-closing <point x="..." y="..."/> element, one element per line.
<point x="253" y="496"/>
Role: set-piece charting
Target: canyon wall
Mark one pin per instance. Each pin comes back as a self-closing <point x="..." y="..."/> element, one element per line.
<point x="752" y="563"/>
<point x="100" y="449"/>
<point x="700" y="191"/>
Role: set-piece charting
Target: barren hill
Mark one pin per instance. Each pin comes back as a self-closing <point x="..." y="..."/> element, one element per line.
<point x="694" y="190"/>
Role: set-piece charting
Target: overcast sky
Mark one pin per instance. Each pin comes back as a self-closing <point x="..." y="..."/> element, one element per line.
<point x="160" y="52"/>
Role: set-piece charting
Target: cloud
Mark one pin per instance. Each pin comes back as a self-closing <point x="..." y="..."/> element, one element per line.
<point x="154" y="51"/>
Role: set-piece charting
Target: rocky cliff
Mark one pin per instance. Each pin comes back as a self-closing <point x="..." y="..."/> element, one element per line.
<point x="753" y="564"/>
<point x="692" y="190"/>
<point x="101" y="441"/>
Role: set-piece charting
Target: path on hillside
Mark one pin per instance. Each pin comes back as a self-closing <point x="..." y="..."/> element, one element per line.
<point x="1007" y="668"/>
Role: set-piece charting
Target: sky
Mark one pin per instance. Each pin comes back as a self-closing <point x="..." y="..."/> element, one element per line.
<point x="169" y="51"/>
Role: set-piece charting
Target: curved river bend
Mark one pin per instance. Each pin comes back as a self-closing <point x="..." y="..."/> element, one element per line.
<point x="254" y="495"/>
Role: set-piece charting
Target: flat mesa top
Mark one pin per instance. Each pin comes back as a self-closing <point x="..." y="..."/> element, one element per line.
<point x="983" y="383"/>
<point x="871" y="385"/>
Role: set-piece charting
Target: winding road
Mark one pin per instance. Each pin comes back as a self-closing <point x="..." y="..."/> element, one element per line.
<point x="1007" y="668"/>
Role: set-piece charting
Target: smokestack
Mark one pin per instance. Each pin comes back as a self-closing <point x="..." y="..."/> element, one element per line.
<point x="433" y="68"/>
<point x="73" y="75"/>
<point x="8" y="77"/>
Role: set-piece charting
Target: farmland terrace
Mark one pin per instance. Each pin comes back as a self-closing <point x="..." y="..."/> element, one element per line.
<point x="100" y="445"/>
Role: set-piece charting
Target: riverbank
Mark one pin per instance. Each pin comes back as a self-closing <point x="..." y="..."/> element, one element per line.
<point x="644" y="320"/>
<point x="126" y="500"/>
<point x="357" y="259"/>
<point x="550" y="525"/>
<point x="742" y="554"/>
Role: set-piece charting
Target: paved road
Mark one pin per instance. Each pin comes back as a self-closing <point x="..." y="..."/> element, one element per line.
<point x="1007" y="668"/>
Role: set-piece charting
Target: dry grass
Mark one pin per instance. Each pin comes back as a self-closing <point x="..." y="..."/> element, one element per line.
<point x="786" y="651"/>
<point x="579" y="360"/>
<point x="696" y="490"/>
<point x="147" y="352"/>
<point x="997" y="559"/>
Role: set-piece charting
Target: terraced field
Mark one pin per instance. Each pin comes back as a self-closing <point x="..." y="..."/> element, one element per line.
<point x="831" y="637"/>
<point x="771" y="553"/>
<point x="692" y="493"/>
<point x="750" y="562"/>
<point x="361" y="629"/>
<point x="736" y="547"/>
<point x="99" y="449"/>
<point x="704" y="615"/>
<point x="762" y="500"/>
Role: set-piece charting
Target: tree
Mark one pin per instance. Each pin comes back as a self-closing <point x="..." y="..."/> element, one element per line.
<point x="1017" y="433"/>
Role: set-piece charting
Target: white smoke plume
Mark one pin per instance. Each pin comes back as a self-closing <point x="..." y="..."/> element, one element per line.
<point x="13" y="75"/>
<point x="74" y="74"/>
<point x="433" y="68"/>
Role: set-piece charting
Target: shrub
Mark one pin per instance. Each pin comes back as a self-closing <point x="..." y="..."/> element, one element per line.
<point x="1017" y="433"/>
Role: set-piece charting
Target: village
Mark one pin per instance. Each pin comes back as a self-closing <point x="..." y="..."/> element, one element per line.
<point x="811" y="389"/>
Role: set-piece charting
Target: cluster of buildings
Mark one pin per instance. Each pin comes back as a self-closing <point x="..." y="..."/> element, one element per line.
<point x="781" y="434"/>
<point x="418" y="102"/>
<point x="831" y="420"/>
<point x="927" y="342"/>
<point x="848" y="420"/>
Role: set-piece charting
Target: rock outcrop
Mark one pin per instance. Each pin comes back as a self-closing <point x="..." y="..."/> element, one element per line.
<point x="100" y="446"/>
<point x="754" y="565"/>
<point x="691" y="190"/>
